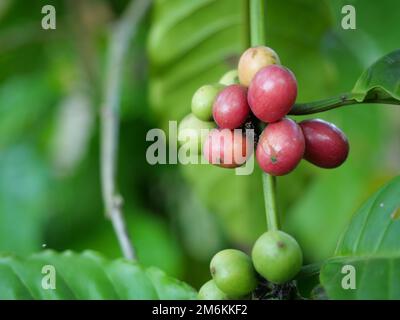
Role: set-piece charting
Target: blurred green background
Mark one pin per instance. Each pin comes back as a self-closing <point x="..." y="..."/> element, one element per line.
<point x="178" y="216"/>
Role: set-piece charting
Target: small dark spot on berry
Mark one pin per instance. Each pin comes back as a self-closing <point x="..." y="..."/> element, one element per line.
<point x="280" y="244"/>
<point x="274" y="159"/>
<point x="212" y="270"/>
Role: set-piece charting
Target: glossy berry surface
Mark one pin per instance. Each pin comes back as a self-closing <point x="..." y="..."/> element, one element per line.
<point x="233" y="273"/>
<point x="280" y="147"/>
<point x="231" y="77"/>
<point x="203" y="100"/>
<point x="210" y="291"/>
<point x="253" y="60"/>
<point x="192" y="132"/>
<point x="272" y="93"/>
<point x="230" y="108"/>
<point x="227" y="148"/>
<point x="326" y="144"/>
<point x="277" y="256"/>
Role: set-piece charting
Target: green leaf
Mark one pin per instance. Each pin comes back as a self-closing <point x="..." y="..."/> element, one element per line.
<point x="85" y="276"/>
<point x="381" y="81"/>
<point x="371" y="244"/>
<point x="190" y="44"/>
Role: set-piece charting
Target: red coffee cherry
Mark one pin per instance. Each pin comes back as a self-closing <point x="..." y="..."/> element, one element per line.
<point x="326" y="144"/>
<point x="227" y="148"/>
<point x="280" y="147"/>
<point x="230" y="108"/>
<point x="272" y="93"/>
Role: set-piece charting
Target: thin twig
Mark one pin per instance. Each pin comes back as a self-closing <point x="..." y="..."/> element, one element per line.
<point x="119" y="44"/>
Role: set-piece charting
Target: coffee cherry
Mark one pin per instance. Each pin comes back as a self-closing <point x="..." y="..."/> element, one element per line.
<point x="209" y="291"/>
<point x="227" y="148"/>
<point x="277" y="256"/>
<point x="194" y="132"/>
<point x="230" y="108"/>
<point x="233" y="272"/>
<point x="326" y="144"/>
<point x="253" y="60"/>
<point x="203" y="99"/>
<point x="231" y="77"/>
<point x="280" y="147"/>
<point x="272" y="93"/>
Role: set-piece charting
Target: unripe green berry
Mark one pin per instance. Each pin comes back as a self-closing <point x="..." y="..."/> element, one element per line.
<point x="277" y="256"/>
<point x="229" y="78"/>
<point x="233" y="273"/>
<point x="194" y="132"/>
<point x="203" y="100"/>
<point x="209" y="291"/>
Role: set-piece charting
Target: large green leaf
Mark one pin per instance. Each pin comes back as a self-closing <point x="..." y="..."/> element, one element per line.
<point x="371" y="244"/>
<point x="381" y="80"/>
<point x="86" y="276"/>
<point x="379" y="83"/>
<point x="190" y="44"/>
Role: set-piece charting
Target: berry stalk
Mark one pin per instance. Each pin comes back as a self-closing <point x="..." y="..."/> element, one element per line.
<point x="336" y="102"/>
<point x="257" y="22"/>
<point x="269" y="183"/>
<point x="257" y="37"/>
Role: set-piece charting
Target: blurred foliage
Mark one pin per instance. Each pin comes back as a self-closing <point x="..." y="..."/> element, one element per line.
<point x="178" y="216"/>
<point x="96" y="279"/>
<point x="370" y="246"/>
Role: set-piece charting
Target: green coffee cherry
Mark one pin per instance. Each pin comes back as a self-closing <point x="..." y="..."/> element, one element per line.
<point x="233" y="273"/>
<point x="277" y="256"/>
<point x="229" y="78"/>
<point x="203" y="99"/>
<point x="209" y="291"/>
<point x="194" y="132"/>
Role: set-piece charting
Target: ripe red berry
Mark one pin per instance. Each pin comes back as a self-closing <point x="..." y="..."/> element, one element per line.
<point x="280" y="147"/>
<point x="272" y="93"/>
<point x="326" y="144"/>
<point x="230" y="108"/>
<point x="227" y="148"/>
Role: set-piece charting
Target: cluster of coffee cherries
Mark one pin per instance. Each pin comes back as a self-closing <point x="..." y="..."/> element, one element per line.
<point x="276" y="256"/>
<point x="258" y="95"/>
<point x="260" y="92"/>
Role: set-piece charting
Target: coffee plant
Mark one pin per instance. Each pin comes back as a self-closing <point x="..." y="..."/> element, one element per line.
<point x="232" y="75"/>
<point x="263" y="92"/>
